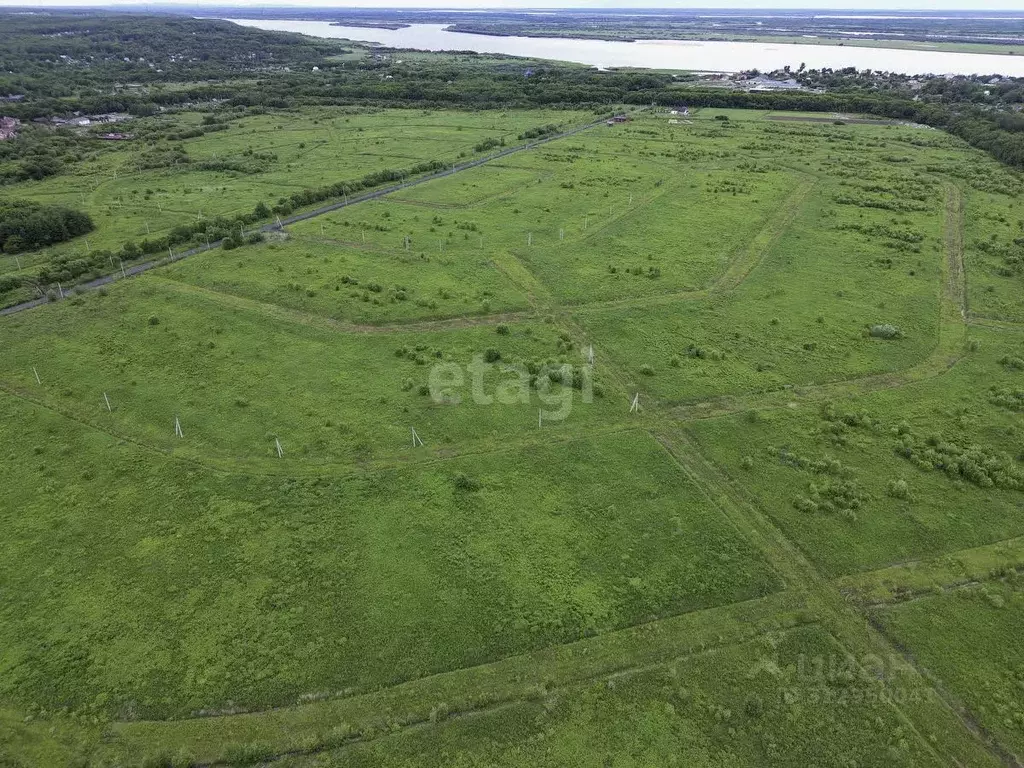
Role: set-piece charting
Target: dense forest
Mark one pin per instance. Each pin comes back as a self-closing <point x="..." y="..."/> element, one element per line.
<point x="25" y="225"/>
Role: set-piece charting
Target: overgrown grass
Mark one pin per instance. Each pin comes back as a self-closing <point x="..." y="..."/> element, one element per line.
<point x="515" y="590"/>
<point x="968" y="639"/>
<point x="939" y="511"/>
<point x="168" y="589"/>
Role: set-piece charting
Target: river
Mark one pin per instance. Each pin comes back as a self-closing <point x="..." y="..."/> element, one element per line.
<point x="692" y="55"/>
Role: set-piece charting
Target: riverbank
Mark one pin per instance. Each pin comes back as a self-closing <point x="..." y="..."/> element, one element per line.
<point x="665" y="54"/>
<point x="627" y="36"/>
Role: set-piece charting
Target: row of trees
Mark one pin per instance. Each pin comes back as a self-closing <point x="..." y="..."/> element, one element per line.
<point x="37" y="220"/>
<point x="309" y="197"/>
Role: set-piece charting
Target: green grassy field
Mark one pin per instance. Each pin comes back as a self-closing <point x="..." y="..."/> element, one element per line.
<point x="967" y="639"/>
<point x="663" y="443"/>
<point x="130" y="200"/>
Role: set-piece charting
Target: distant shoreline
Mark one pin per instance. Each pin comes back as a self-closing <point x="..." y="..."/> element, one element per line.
<point x="370" y="24"/>
<point x="853" y="42"/>
<point x="632" y="36"/>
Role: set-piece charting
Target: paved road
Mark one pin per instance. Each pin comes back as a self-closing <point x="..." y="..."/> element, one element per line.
<point x="138" y="269"/>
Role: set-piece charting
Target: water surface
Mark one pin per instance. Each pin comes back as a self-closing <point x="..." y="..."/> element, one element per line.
<point x="693" y="55"/>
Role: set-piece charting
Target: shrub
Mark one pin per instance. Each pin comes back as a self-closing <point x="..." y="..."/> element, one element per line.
<point x="1010" y="399"/>
<point x="899" y="489"/>
<point x="1013" y="363"/>
<point x="153" y="320"/>
<point x="646" y="370"/>
<point x="465" y="483"/>
<point x="885" y="331"/>
<point x="753" y="707"/>
<point x="247" y="754"/>
<point x="492" y="355"/>
<point x="502" y="330"/>
<point x="962" y="463"/>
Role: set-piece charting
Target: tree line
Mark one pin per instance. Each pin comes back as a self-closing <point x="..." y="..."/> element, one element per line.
<point x="25" y="226"/>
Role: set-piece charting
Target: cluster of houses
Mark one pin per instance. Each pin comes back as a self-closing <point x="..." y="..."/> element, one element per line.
<point x="679" y="116"/>
<point x="78" y="120"/>
<point x="9" y="127"/>
<point x="752" y="83"/>
<point x="762" y="83"/>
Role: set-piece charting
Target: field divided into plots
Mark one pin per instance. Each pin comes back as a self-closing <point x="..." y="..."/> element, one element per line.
<point x="598" y="448"/>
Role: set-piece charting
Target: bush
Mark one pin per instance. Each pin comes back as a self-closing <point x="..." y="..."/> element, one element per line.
<point x="153" y="320"/>
<point x="492" y="355"/>
<point x="646" y="370"/>
<point x="753" y="707"/>
<point x="502" y="330"/>
<point x="465" y="483"/>
<point x="974" y="464"/>
<point x="899" y="489"/>
<point x="885" y="331"/>
<point x="247" y="754"/>
<point x="486" y="144"/>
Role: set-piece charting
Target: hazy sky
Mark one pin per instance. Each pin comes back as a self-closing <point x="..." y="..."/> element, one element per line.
<point x="877" y="5"/>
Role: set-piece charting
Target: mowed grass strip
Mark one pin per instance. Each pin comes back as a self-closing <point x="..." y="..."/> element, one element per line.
<point x="142" y="587"/>
<point x="765" y="702"/>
